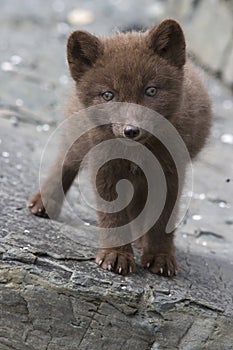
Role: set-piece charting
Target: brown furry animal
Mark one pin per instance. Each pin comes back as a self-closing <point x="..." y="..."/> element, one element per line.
<point x="147" y="69"/>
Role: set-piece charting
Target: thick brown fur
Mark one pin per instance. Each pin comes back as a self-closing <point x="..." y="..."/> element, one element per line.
<point x="127" y="64"/>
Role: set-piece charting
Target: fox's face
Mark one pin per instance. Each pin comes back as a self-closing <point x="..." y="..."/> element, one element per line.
<point x="140" y="68"/>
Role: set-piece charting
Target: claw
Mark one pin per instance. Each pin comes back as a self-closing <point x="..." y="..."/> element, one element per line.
<point x="169" y="273"/>
<point x="100" y="262"/>
<point x="120" y="269"/>
<point x="161" y="270"/>
<point x="148" y="265"/>
<point x="130" y="269"/>
<point x="109" y="267"/>
<point x="30" y="205"/>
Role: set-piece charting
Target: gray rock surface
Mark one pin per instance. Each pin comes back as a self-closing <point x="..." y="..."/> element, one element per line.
<point x="52" y="295"/>
<point x="210" y="32"/>
<point x="228" y="67"/>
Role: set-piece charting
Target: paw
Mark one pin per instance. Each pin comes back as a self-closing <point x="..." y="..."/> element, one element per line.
<point x="161" y="264"/>
<point x="48" y="208"/>
<point x="36" y="205"/>
<point x="118" y="261"/>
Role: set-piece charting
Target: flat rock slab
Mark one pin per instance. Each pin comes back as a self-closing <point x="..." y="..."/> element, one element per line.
<point x="52" y="294"/>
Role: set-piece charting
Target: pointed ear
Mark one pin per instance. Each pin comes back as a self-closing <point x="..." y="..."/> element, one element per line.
<point x="167" y="40"/>
<point x="83" y="49"/>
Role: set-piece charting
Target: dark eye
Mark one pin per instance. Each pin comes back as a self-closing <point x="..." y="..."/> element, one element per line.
<point x="151" y="91"/>
<point x="107" y="95"/>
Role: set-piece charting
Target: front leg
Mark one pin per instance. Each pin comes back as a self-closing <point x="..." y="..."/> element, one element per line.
<point x="158" y="254"/>
<point x="118" y="256"/>
<point x="118" y="259"/>
<point x="158" y="249"/>
<point x="48" y="200"/>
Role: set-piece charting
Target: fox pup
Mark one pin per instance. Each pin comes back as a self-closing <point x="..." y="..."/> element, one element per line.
<point x="148" y="69"/>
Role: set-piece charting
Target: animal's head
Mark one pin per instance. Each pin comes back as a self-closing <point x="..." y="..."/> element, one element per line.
<point x="144" y="68"/>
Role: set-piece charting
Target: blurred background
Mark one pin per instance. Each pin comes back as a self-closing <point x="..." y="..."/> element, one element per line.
<point x="33" y="71"/>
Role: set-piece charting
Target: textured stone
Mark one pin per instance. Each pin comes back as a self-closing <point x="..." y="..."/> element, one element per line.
<point x="210" y="31"/>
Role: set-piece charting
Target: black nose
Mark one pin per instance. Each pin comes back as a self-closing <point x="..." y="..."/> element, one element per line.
<point x="131" y="131"/>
